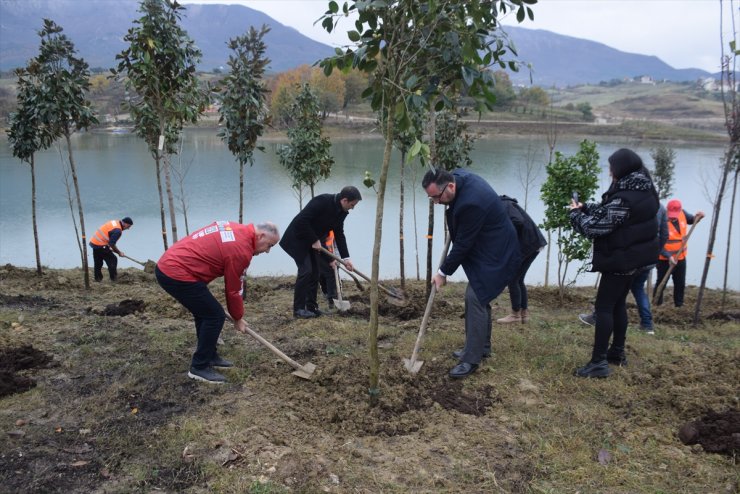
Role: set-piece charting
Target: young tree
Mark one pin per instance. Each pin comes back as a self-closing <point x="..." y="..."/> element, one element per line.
<point x="243" y="108"/>
<point x="307" y="156"/>
<point x="159" y="66"/>
<point x="26" y="135"/>
<point x="62" y="105"/>
<point x="664" y="159"/>
<point x="579" y="173"/>
<point x="421" y="53"/>
<point x="731" y="159"/>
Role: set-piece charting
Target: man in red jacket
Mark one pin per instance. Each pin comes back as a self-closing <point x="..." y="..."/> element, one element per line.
<point x="184" y="271"/>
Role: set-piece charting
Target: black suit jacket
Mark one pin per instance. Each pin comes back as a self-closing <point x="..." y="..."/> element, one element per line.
<point x="321" y="214"/>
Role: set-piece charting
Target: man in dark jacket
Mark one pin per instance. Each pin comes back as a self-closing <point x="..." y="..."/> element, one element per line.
<point x="302" y="241"/>
<point x="484" y="242"/>
<point x="531" y="242"/>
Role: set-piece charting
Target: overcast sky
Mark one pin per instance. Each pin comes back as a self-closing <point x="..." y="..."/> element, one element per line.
<point x="682" y="33"/>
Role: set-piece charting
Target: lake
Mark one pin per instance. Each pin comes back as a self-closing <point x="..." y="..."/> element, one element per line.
<point x="117" y="179"/>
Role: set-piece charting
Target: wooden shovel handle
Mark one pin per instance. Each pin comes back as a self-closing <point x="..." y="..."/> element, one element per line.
<point x="132" y="259"/>
<point x="364" y="276"/>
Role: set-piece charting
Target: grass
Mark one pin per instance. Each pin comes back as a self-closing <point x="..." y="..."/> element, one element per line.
<point x="545" y="431"/>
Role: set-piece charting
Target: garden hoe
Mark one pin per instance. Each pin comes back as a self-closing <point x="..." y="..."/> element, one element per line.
<point x="302" y="371"/>
<point x="413" y="365"/>
<point x="394" y="296"/>
<point x="341" y="305"/>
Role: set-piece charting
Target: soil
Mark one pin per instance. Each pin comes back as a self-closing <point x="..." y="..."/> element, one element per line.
<point x="95" y="396"/>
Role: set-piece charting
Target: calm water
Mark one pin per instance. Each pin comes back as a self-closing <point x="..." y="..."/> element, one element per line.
<point x="117" y="179"/>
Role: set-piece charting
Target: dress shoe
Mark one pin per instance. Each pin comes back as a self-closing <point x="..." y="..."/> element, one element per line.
<point x="317" y="311"/>
<point x="458" y="353"/>
<point x="304" y="314"/>
<point x="463" y="369"/>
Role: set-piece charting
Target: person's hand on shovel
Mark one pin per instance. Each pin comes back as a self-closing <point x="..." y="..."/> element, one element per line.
<point x="241" y="326"/>
<point x="439" y="280"/>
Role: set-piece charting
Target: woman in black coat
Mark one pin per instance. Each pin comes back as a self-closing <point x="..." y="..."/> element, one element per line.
<point x="624" y="232"/>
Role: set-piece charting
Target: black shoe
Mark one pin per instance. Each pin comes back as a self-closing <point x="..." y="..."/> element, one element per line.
<point x="304" y="314"/>
<point x="221" y="362"/>
<point x="594" y="369"/>
<point x="458" y="353"/>
<point x="317" y="311"/>
<point x="463" y="369"/>
<point x="619" y="359"/>
<point x="206" y="375"/>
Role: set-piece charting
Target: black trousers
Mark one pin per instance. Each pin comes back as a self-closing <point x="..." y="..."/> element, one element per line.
<point x="326" y="278"/>
<point x="678" y="275"/>
<point x="611" y="313"/>
<point x="104" y="254"/>
<point x="307" y="282"/>
<point x="207" y="312"/>
<point x="517" y="288"/>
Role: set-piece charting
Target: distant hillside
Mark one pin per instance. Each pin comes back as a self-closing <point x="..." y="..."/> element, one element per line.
<point x="564" y="61"/>
<point x="97" y="28"/>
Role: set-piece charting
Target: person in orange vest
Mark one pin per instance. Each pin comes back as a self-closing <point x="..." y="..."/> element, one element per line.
<point x="327" y="281"/>
<point x="678" y="219"/>
<point x="103" y="245"/>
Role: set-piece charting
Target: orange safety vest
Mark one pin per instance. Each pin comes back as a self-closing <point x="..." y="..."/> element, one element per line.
<point x="102" y="236"/>
<point x="329" y="241"/>
<point x="675" y="238"/>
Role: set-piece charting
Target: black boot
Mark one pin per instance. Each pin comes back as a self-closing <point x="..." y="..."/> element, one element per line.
<point x="616" y="356"/>
<point x="597" y="367"/>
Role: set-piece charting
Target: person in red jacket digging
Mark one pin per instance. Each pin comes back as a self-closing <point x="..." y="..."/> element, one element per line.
<point x="184" y="271"/>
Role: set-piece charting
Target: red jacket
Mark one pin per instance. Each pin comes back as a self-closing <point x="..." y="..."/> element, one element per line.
<point x="219" y="249"/>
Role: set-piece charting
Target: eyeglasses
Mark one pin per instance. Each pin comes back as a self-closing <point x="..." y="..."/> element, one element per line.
<point x="437" y="197"/>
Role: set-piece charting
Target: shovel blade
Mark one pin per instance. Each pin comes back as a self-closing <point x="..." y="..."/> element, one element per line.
<point x="305" y="372"/>
<point x="412" y="366"/>
<point x="341" y="305"/>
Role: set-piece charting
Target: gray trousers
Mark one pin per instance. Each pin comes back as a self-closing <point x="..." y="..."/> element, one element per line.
<point x="477" y="328"/>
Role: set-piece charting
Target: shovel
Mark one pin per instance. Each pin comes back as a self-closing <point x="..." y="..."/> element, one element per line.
<point x="395" y="296"/>
<point x="411" y="364"/>
<point x="354" y="278"/>
<point x="148" y="266"/>
<point x="341" y="305"/>
<point x="661" y="287"/>
<point x="302" y="371"/>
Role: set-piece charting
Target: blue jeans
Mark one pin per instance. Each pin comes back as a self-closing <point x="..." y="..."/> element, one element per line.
<point x="641" y="298"/>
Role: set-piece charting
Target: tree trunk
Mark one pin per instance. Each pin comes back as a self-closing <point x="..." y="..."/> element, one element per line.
<point x="729" y="237"/>
<point x="241" y="192"/>
<point x="416" y="231"/>
<point x="33" y="215"/>
<point x="170" y="198"/>
<point x="83" y="247"/>
<point x="374" y="299"/>
<point x="729" y="159"/>
<point x="430" y="246"/>
<point x="157" y="161"/>
<point x="547" y="258"/>
<point x="400" y="225"/>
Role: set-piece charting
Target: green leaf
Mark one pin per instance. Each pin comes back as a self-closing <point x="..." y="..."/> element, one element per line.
<point x="333" y="7"/>
<point x="353" y="36"/>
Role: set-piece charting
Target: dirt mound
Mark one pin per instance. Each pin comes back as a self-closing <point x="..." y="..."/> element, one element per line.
<point x="124" y="308"/>
<point x="716" y="432"/>
<point x="13" y="360"/>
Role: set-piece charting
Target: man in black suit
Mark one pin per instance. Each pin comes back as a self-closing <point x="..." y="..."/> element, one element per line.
<point x="302" y="241"/>
<point x="484" y="243"/>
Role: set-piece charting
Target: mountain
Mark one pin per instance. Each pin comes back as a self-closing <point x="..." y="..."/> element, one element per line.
<point x="97" y="28"/>
<point x="564" y="61"/>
